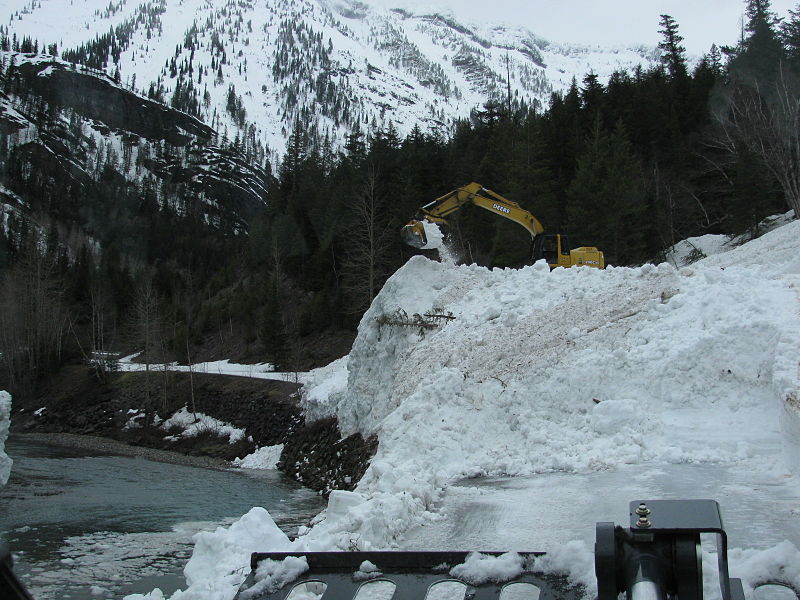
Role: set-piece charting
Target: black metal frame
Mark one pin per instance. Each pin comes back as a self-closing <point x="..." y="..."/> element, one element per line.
<point x="660" y="554"/>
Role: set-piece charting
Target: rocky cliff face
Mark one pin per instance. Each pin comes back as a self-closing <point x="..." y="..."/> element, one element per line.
<point x="77" y="149"/>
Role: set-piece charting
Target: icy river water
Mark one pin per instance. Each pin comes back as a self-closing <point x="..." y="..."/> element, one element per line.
<point x="83" y="524"/>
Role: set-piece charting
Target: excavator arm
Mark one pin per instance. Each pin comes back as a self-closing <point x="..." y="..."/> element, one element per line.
<point x="413" y="233"/>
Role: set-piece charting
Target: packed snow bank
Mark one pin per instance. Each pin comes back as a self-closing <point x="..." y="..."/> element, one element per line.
<point x="571" y="370"/>
<point x="5" y="422"/>
<point x="790" y="423"/>
<point x="575" y="370"/>
<point x="692" y="249"/>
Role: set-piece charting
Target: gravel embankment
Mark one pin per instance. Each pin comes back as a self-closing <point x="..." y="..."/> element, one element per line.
<point x="106" y="445"/>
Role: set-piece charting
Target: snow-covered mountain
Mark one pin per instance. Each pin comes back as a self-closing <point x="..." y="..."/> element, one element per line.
<point x="251" y="69"/>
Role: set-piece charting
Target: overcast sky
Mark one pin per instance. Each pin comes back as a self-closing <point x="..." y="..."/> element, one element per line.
<point x="605" y="22"/>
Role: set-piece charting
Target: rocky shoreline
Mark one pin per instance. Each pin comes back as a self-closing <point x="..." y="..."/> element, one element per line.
<point x="80" y="412"/>
<point x="119" y="448"/>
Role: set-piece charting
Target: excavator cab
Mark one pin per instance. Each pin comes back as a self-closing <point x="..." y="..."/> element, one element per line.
<point x="554" y="248"/>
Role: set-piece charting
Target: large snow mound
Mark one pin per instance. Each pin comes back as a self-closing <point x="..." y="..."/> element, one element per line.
<point x="5" y="422"/>
<point x="570" y="370"/>
<point x="574" y="370"/>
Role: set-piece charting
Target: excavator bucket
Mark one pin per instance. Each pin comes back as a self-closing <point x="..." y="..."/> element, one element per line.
<point x="413" y="234"/>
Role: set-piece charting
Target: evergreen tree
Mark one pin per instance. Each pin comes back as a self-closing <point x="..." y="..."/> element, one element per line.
<point x="607" y="203"/>
<point x="673" y="55"/>
<point x="760" y="53"/>
<point x="790" y="35"/>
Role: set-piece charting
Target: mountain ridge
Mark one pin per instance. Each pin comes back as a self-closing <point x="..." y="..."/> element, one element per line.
<point x="252" y="68"/>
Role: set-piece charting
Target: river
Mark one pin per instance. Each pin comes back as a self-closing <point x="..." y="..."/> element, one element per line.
<point x="86" y="525"/>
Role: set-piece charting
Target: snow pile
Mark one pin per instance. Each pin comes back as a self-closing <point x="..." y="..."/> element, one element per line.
<point x="271" y="575"/>
<point x="573" y="371"/>
<point x="219" y="562"/>
<point x="263" y="458"/>
<point x="778" y="565"/>
<point x="479" y="568"/>
<point x="367" y="570"/>
<point x="192" y="424"/>
<point x="692" y="249"/>
<point x="433" y="235"/>
<point x="5" y="422"/>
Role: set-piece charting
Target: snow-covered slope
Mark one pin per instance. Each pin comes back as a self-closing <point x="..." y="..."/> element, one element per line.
<point x="575" y="371"/>
<point x="5" y="421"/>
<point x="250" y="68"/>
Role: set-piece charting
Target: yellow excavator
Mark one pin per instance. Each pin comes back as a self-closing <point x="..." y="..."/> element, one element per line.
<point x="552" y="247"/>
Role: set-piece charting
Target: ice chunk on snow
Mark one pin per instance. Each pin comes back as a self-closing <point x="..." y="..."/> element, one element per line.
<point x="340" y="502"/>
<point x="612" y="416"/>
<point x="5" y="421"/>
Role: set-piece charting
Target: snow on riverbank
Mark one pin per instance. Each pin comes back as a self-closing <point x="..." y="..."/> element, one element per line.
<point x="572" y="371"/>
<point x="186" y="424"/>
<point x="5" y="422"/>
<point x="263" y="458"/>
<point x="218" y="367"/>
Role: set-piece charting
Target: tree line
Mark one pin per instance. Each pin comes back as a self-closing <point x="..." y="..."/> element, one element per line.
<point x="630" y="165"/>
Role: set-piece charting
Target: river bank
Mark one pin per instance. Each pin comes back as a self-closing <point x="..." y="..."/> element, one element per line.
<point x="128" y="414"/>
<point x="114" y="447"/>
<point x="86" y="522"/>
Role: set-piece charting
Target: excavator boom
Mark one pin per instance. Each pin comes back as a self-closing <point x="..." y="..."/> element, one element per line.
<point x="413" y="233"/>
<point x="552" y="247"/>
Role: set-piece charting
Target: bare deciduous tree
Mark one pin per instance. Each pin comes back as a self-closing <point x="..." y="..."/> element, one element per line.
<point x="765" y="118"/>
<point x="145" y="326"/>
<point x="33" y="322"/>
<point x="368" y="243"/>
